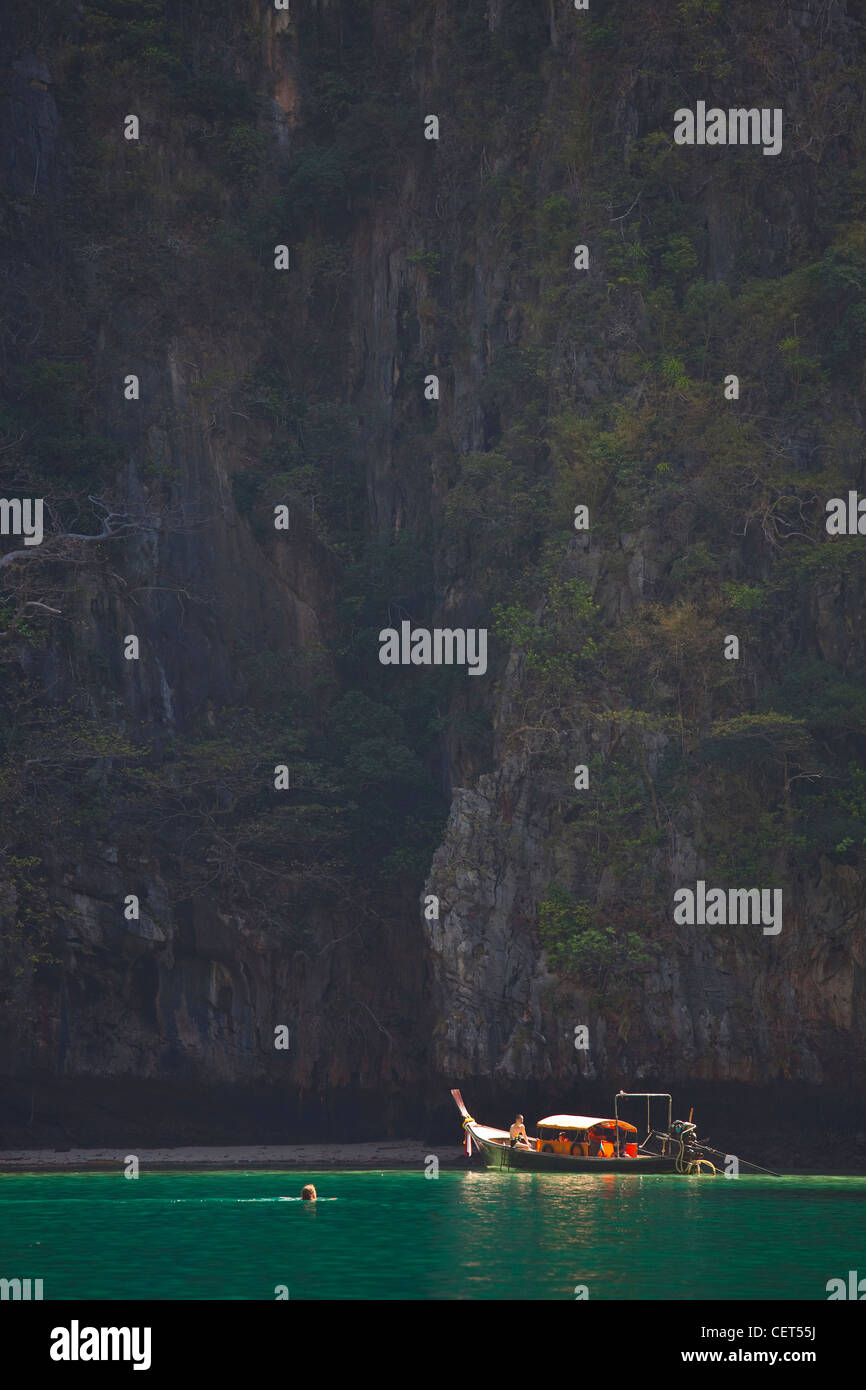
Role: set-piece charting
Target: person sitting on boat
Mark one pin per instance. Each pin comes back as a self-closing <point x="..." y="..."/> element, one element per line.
<point x="517" y="1132"/>
<point x="596" y="1144"/>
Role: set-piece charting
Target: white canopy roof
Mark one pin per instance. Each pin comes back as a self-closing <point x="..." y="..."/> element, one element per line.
<point x="577" y="1122"/>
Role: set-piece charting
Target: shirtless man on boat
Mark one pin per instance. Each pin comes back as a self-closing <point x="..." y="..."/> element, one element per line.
<point x="517" y="1133"/>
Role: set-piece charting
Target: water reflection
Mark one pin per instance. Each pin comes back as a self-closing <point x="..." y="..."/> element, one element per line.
<point x="661" y="1236"/>
<point x="465" y="1235"/>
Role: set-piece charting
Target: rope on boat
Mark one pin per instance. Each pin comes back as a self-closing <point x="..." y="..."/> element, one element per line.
<point x="695" y="1165"/>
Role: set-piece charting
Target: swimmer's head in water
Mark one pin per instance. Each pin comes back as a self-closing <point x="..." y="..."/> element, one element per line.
<point x="308" y="1193"/>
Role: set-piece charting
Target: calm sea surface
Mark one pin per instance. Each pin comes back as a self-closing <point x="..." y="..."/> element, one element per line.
<point x="395" y="1235"/>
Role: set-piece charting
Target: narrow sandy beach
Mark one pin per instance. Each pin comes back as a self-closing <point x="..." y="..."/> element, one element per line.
<point x="388" y="1153"/>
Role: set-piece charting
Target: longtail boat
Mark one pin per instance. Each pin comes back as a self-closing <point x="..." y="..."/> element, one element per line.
<point x="594" y="1144"/>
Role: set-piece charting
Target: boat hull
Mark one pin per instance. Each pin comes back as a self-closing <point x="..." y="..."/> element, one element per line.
<point x="499" y="1154"/>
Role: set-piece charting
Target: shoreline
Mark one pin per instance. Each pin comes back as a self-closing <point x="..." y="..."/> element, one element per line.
<point x="384" y="1154"/>
<point x="390" y="1153"/>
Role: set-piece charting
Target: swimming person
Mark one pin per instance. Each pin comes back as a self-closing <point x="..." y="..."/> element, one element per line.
<point x="517" y="1132"/>
<point x="308" y="1193"/>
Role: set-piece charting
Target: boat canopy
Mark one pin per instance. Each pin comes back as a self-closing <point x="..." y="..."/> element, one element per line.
<point x="581" y="1122"/>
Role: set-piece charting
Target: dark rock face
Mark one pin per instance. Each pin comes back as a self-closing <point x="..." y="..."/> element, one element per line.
<point x="31" y="130"/>
<point x="162" y="1026"/>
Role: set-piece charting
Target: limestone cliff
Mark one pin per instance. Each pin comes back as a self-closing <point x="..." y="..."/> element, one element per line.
<point x="306" y="388"/>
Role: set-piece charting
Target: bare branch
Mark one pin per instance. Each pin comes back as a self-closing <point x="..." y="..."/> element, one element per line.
<point x="114" y="524"/>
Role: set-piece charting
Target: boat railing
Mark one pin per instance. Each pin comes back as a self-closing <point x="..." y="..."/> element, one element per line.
<point x="648" y="1096"/>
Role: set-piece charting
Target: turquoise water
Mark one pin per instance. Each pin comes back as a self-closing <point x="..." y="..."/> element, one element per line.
<point x="464" y="1235"/>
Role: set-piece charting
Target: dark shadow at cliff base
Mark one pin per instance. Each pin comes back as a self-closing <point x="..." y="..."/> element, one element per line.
<point x="76" y="1112"/>
<point x="786" y="1127"/>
